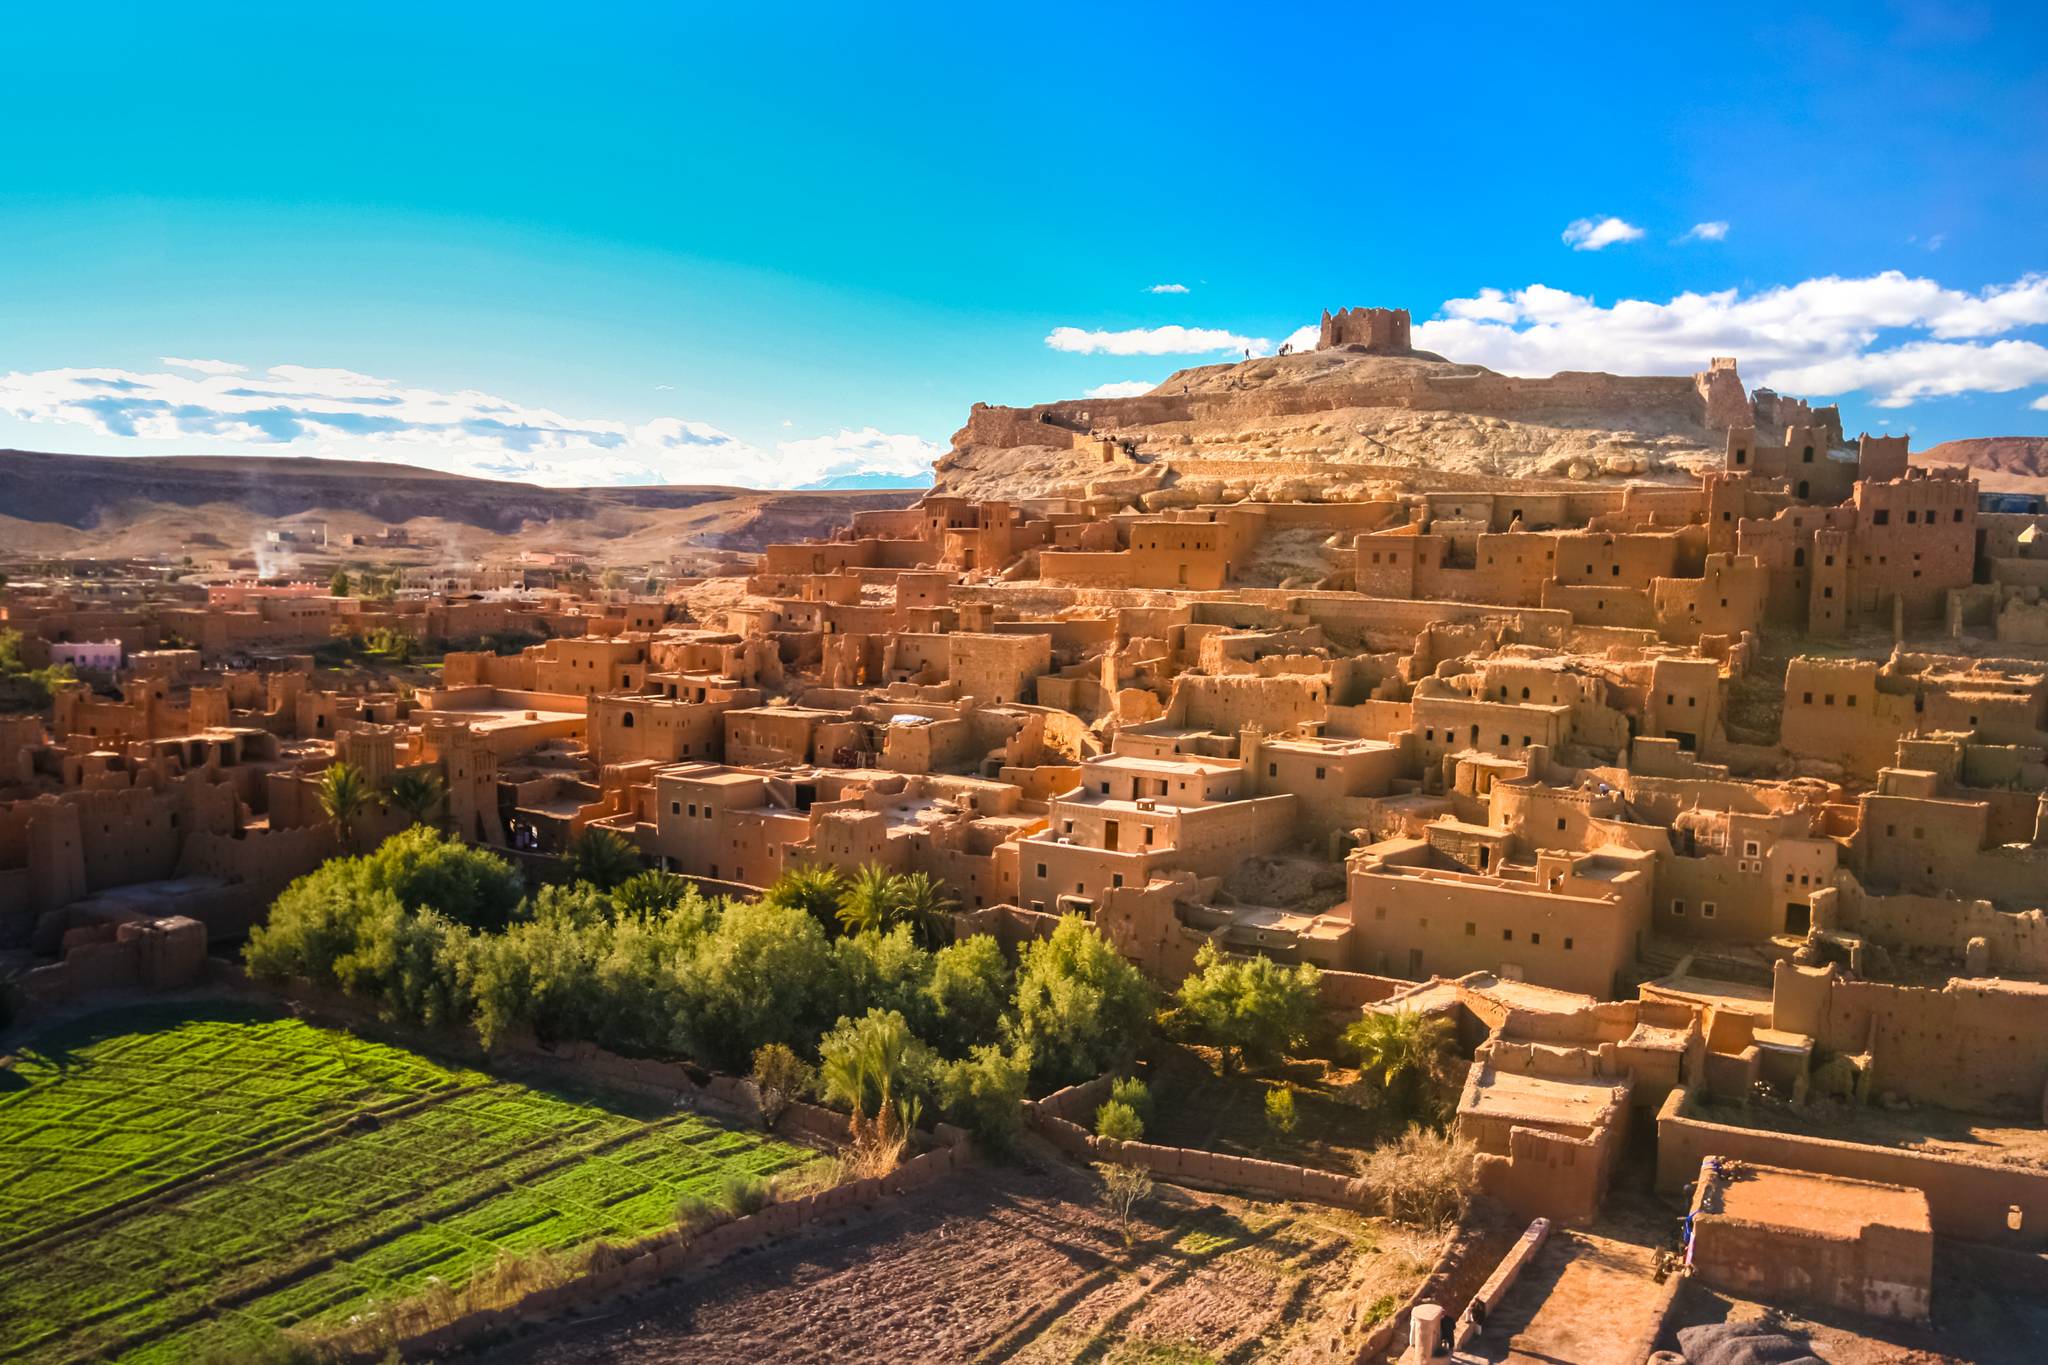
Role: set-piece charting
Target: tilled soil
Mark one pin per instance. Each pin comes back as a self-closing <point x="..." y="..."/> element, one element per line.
<point x="1007" y="1263"/>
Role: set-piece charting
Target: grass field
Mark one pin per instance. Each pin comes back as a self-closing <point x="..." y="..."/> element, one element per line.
<point x="181" y="1183"/>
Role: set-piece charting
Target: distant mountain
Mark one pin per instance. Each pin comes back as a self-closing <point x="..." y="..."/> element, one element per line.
<point x="2004" y="464"/>
<point x="141" y="505"/>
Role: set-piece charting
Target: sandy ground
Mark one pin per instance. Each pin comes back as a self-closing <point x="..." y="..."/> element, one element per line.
<point x="1022" y="1264"/>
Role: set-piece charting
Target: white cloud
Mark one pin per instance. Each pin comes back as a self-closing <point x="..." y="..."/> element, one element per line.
<point x="1167" y="289"/>
<point x="1821" y="336"/>
<point x="2040" y="404"/>
<point x="302" y="410"/>
<point x="1589" y="234"/>
<point x="1123" y="388"/>
<point x="1169" y="340"/>
<point x="203" y="366"/>
<point x="1303" y="338"/>
<point x="1706" y="232"/>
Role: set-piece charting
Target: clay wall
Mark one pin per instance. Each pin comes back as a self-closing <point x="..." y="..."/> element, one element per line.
<point x="1967" y="1199"/>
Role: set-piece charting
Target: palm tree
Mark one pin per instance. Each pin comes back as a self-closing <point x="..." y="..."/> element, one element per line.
<point x="603" y="859"/>
<point x="869" y="902"/>
<point x="1406" y="1051"/>
<point x="344" y="792"/>
<point x="816" y="890"/>
<point x="862" y="1065"/>
<point x="420" y="794"/>
<point x="922" y="903"/>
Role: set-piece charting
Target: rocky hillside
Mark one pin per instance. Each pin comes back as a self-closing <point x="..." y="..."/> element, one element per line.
<point x="2004" y="464"/>
<point x="79" y="504"/>
<point x="1343" y="422"/>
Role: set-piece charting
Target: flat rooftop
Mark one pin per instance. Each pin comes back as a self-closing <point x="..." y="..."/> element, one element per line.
<point x="1552" y="1100"/>
<point x="1831" y="1206"/>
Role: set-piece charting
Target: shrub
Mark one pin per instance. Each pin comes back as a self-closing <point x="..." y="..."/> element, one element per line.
<point x="1134" y="1092"/>
<point x="740" y="1194"/>
<point x="1079" y="1005"/>
<point x="984" y="1093"/>
<point x="1123" y="1189"/>
<point x="781" y="1078"/>
<point x="1280" y="1109"/>
<point x="1425" y="1177"/>
<point x="1117" y="1120"/>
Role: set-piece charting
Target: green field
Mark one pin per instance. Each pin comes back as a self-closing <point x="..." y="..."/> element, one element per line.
<point x="182" y="1182"/>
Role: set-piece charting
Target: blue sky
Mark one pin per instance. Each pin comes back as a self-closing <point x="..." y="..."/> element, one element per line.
<point x="770" y="244"/>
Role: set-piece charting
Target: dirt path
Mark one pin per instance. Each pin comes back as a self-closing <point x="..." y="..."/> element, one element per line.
<point x="1012" y="1264"/>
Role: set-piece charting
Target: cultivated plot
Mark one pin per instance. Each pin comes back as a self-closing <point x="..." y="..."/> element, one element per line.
<point x="185" y="1181"/>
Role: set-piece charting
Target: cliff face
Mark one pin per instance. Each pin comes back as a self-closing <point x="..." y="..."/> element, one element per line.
<point x="1345" y="420"/>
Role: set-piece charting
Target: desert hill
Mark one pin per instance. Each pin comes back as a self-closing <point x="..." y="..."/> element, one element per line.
<point x="99" y="505"/>
<point x="1344" y="419"/>
<point x="2004" y="464"/>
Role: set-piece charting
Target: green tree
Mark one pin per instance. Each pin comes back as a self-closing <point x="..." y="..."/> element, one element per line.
<point x="886" y="971"/>
<point x="984" y="1093"/>
<point x="969" y="989"/>
<point x="1079" y="1005"/>
<point x="1407" y="1054"/>
<point x="868" y="904"/>
<point x="338" y="585"/>
<point x="813" y="888"/>
<point x="1252" y="1008"/>
<point x="602" y="858"/>
<point x="420" y="794"/>
<point x="344" y="795"/>
<point x="763" y="974"/>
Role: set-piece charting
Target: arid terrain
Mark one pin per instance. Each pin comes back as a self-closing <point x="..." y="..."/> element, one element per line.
<point x="109" y="507"/>
<point x="1022" y="1264"/>
<point x="2002" y="464"/>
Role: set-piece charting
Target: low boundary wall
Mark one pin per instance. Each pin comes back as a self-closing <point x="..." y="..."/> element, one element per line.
<point x="1975" y="1201"/>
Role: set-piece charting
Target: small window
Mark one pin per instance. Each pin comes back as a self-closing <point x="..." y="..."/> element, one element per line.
<point x="1678" y="907"/>
<point x="1560" y="822"/>
<point x="675" y="808"/>
<point x="1708" y="909"/>
<point x="1567" y="944"/>
<point x="1471" y="929"/>
<point x="1041" y="869"/>
<point x="1507" y="936"/>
